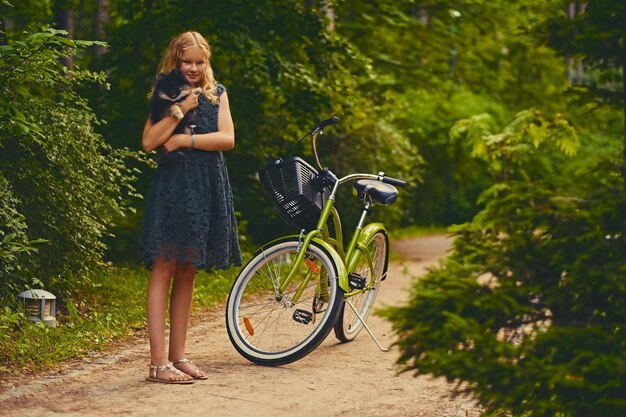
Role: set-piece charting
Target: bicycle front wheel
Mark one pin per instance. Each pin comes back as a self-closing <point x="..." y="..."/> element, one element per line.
<point x="268" y="327"/>
<point x="348" y="324"/>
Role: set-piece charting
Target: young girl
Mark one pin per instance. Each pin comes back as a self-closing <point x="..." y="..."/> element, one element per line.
<point x="189" y="220"/>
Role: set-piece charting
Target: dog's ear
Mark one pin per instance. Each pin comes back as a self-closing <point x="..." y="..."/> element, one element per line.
<point x="159" y="77"/>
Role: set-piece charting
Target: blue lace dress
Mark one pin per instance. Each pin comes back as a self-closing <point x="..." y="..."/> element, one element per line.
<point x="189" y="213"/>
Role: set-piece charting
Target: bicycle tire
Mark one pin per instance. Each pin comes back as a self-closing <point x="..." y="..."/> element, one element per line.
<point x="271" y="331"/>
<point x="348" y="325"/>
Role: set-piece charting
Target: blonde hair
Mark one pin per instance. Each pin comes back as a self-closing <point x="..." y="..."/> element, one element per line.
<point x="174" y="55"/>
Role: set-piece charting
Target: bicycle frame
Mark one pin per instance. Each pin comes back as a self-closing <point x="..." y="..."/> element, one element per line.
<point x="346" y="261"/>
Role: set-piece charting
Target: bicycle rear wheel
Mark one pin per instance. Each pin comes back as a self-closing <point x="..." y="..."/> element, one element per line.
<point x="348" y="324"/>
<point x="272" y="329"/>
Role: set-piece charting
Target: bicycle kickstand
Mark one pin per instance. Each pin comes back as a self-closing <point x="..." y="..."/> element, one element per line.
<point x="367" y="328"/>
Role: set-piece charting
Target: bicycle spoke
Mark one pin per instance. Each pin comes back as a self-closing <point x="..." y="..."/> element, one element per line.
<point x="275" y="279"/>
<point x="266" y="314"/>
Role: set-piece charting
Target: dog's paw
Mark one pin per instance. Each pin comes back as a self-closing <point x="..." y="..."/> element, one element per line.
<point x="176" y="112"/>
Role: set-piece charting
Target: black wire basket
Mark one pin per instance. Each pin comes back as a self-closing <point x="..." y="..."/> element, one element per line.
<point x="296" y="192"/>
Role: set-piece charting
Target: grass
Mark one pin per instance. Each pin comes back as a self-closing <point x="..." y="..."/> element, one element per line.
<point x="108" y="310"/>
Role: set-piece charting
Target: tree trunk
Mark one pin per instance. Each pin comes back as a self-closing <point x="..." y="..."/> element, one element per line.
<point x="569" y="59"/>
<point x="326" y="8"/>
<point x="330" y="16"/>
<point x="100" y="21"/>
<point x="64" y="19"/>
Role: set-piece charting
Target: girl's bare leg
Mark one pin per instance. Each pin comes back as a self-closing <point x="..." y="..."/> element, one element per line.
<point x="156" y="307"/>
<point x="180" y="308"/>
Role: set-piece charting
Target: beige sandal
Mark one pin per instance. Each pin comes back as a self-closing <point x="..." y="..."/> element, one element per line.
<point x="197" y="375"/>
<point x="167" y="367"/>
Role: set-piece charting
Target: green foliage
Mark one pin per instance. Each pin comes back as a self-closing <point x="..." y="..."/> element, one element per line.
<point x="452" y="179"/>
<point x="62" y="182"/>
<point x="284" y="71"/>
<point x="24" y="12"/>
<point x="597" y="36"/>
<point x="510" y="152"/>
<point x="15" y="246"/>
<point x="442" y="61"/>
<point x="371" y="148"/>
<point x="527" y="313"/>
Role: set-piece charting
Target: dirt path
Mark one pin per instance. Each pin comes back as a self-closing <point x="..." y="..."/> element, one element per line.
<point x="335" y="380"/>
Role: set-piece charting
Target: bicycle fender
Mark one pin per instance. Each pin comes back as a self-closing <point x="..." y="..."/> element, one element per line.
<point x="278" y="240"/>
<point x="341" y="267"/>
<point x="370" y="230"/>
<point x="368" y="233"/>
<point x="339" y="262"/>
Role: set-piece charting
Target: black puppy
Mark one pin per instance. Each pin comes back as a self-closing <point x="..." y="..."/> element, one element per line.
<point x="170" y="89"/>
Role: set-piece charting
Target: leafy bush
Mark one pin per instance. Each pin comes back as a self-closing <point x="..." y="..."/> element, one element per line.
<point x="60" y="180"/>
<point x="528" y="312"/>
<point x="15" y="246"/>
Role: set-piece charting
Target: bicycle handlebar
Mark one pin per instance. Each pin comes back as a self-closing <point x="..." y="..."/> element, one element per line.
<point x="328" y="122"/>
<point x="380" y="177"/>
<point x="394" y="181"/>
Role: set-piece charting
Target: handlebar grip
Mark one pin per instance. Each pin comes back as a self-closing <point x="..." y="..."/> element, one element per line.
<point x="327" y="122"/>
<point x="394" y="181"/>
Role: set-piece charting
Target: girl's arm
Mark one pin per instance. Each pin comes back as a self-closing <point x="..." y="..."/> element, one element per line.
<point x="155" y="135"/>
<point x="221" y="140"/>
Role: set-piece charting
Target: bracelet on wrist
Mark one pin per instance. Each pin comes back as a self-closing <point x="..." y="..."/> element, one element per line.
<point x="193" y="141"/>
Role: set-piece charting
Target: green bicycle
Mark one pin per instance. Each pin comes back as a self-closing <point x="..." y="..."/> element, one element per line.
<point x="295" y="289"/>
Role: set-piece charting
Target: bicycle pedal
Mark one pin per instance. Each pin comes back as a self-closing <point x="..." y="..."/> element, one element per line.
<point x="302" y="316"/>
<point x="356" y="281"/>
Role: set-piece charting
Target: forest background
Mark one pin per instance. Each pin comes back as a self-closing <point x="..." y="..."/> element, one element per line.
<point x="506" y="117"/>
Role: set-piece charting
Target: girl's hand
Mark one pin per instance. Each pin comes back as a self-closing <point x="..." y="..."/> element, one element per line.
<point x="177" y="141"/>
<point x="189" y="103"/>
